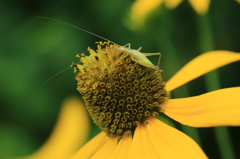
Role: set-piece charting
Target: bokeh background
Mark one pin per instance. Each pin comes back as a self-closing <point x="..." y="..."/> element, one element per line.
<point x="34" y="49"/>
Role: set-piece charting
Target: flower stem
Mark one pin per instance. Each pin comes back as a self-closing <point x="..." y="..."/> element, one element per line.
<point x="213" y="83"/>
<point x="171" y="57"/>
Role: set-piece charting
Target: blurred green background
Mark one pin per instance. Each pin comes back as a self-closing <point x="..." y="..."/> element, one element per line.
<point x="33" y="49"/>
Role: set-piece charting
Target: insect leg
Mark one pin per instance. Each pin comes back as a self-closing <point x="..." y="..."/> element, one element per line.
<point x="148" y="65"/>
<point x="139" y="49"/>
<point x="128" y="45"/>
<point x="152" y="54"/>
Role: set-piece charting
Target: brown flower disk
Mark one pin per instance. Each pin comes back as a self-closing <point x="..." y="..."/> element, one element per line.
<point x="118" y="92"/>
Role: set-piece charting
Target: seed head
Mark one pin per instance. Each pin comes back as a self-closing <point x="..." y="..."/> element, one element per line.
<point x="119" y="93"/>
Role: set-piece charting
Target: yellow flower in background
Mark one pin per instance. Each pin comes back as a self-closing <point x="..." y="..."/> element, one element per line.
<point x="200" y="6"/>
<point x="140" y="9"/>
<point x="171" y="4"/>
<point x="70" y="132"/>
<point x="125" y="95"/>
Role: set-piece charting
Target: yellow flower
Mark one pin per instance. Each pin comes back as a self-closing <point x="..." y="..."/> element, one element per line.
<point x="171" y="4"/>
<point x="69" y="133"/>
<point x="200" y="6"/>
<point x="140" y="9"/>
<point x="129" y="124"/>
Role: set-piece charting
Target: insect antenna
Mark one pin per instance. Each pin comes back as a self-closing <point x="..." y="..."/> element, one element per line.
<point x="56" y="74"/>
<point x="78" y="28"/>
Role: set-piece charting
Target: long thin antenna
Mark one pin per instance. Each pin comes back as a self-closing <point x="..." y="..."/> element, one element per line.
<point x="56" y="74"/>
<point x="78" y="28"/>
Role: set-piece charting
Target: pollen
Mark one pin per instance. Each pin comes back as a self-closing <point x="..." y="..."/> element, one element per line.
<point x="119" y="92"/>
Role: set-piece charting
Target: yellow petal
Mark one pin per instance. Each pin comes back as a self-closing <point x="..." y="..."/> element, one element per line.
<point x="171" y="4"/>
<point x="141" y="8"/>
<point x="146" y="144"/>
<point x="70" y="132"/>
<point x="200" y="6"/>
<point x="169" y="143"/>
<point x="135" y="149"/>
<point x="122" y="148"/>
<point x="91" y="147"/>
<point x="140" y="147"/>
<point x="238" y="1"/>
<point x="107" y="149"/>
<point x="200" y="65"/>
<point x="217" y="108"/>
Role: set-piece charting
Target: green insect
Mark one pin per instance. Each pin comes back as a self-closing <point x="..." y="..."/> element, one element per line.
<point x="136" y="55"/>
<point x="121" y="88"/>
<point x="141" y="58"/>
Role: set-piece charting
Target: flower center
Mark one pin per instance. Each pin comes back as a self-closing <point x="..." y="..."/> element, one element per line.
<point x="119" y="93"/>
